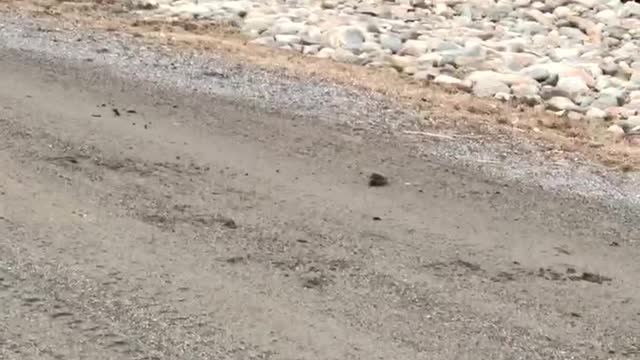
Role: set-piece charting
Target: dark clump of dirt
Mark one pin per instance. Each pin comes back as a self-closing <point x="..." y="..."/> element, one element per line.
<point x="229" y="223"/>
<point x="550" y="274"/>
<point x="377" y="180"/>
<point x="469" y="265"/>
<point x="314" y="280"/>
<point x="590" y="277"/>
<point x="236" y="260"/>
<point x="216" y="74"/>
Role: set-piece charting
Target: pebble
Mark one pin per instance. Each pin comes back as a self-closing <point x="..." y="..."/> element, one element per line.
<point x="616" y="130"/>
<point x="414" y="47"/>
<point x="287" y="39"/>
<point x="574" y="86"/>
<point x="345" y="56"/>
<point x="630" y="125"/>
<point x="453" y="81"/>
<point x="391" y="42"/>
<point x="609" y="97"/>
<point x="596" y="114"/>
<point x="538" y="73"/>
<point x="525" y="89"/>
<point x="345" y="37"/>
<point x="578" y="56"/>
<point x="487" y="87"/>
<point x="287" y="28"/>
<point x="145" y="4"/>
<point x="401" y="63"/>
<point x="559" y="103"/>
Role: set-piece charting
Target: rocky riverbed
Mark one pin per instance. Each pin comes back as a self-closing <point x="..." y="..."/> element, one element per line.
<point x="578" y="58"/>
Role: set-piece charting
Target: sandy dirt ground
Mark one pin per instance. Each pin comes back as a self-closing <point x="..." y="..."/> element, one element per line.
<point x="137" y="224"/>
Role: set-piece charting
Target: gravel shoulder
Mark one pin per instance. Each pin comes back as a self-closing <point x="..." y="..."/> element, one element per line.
<point x="440" y="108"/>
<point x="148" y="210"/>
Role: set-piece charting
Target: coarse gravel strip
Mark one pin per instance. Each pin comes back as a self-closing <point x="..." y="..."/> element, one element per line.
<point x="205" y="73"/>
<point x="571" y="57"/>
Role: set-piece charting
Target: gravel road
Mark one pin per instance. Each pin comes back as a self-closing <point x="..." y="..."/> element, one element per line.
<point x="146" y="222"/>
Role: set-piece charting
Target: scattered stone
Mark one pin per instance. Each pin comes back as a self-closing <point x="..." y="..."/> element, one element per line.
<point x="608" y="17"/>
<point x="287" y="28"/>
<point x="426" y="75"/>
<point x="617" y="131"/>
<point x="377" y="180"/>
<point x="503" y="96"/>
<point x="345" y="37"/>
<point x="559" y="103"/>
<point x="574" y="116"/>
<point x="422" y="4"/>
<point x="609" y="97"/>
<point x="288" y="39"/>
<point x="609" y="68"/>
<point x="552" y="80"/>
<point x="329" y="4"/>
<point x="235" y="259"/>
<point x="312" y="35"/>
<point x="401" y="63"/>
<point x="488" y="86"/>
<point x="573" y="86"/>
<point x="414" y="48"/>
<point x="561" y="12"/>
<point x="265" y="41"/>
<point x="538" y="73"/>
<point x="326" y="53"/>
<point x="454" y="82"/>
<point x="524" y="90"/>
<point x="229" y="223"/>
<point x="391" y="42"/>
<point x="630" y="125"/>
<point x="144" y="4"/>
<point x="531" y="100"/>
<point x="596" y="114"/>
<point x="345" y="56"/>
<point x="590" y="28"/>
<point x="310" y="49"/>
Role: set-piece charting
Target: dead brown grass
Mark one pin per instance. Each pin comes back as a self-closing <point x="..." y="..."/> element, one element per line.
<point x="443" y="108"/>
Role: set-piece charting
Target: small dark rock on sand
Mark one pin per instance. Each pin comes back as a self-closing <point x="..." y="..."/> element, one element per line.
<point x="377" y="180"/>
